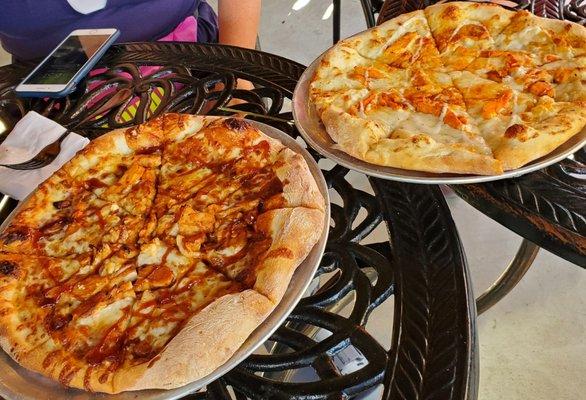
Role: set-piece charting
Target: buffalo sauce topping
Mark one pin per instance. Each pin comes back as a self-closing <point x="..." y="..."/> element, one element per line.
<point x="238" y="190"/>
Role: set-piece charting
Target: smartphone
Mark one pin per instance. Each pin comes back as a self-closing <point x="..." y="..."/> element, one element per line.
<point x="58" y="74"/>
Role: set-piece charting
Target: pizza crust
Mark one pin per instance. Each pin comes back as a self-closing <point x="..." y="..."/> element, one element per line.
<point x="207" y="341"/>
<point x="62" y="365"/>
<point x="525" y="142"/>
<point x="12" y="339"/>
<point x="299" y="186"/>
<point x="368" y="141"/>
<point x="294" y="231"/>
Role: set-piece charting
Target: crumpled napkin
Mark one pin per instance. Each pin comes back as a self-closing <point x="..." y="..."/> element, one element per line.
<point x="30" y="135"/>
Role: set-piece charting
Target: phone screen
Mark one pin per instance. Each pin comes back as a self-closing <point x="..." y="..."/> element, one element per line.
<point x="62" y="65"/>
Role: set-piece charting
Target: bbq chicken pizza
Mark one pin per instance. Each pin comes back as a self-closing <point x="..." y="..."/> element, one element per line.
<point x="459" y="87"/>
<point x="148" y="259"/>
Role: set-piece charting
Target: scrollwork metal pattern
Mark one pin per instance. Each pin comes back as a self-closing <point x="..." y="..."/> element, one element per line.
<point x="433" y="341"/>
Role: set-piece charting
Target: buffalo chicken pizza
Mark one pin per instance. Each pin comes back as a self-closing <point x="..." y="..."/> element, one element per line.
<point x="458" y="87"/>
<point x="149" y="258"/>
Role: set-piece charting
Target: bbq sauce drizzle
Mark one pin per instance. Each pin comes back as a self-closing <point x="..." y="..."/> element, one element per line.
<point x="256" y="185"/>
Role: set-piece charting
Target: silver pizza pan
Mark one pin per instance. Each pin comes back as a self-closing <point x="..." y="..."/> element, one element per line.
<point x="18" y="383"/>
<point x="313" y="131"/>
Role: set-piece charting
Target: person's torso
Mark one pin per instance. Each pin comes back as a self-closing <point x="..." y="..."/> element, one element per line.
<point x="31" y="29"/>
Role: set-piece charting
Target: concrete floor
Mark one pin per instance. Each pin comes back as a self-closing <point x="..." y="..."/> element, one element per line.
<point x="532" y="343"/>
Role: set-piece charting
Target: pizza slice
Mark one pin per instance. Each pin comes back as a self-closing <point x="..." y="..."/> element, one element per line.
<point x="421" y="142"/>
<point x="180" y="288"/>
<point x="561" y="80"/>
<point x="42" y="313"/>
<point x="23" y="280"/>
<point x="164" y="129"/>
<point x="84" y="336"/>
<point x="122" y="167"/>
<point x="53" y="200"/>
<point x="124" y="176"/>
<point x="356" y="85"/>
<point x="181" y="308"/>
<point x="518" y="70"/>
<point x="77" y="228"/>
<point x="380" y="59"/>
<point x="403" y="42"/>
<point x="210" y="336"/>
<point x="518" y="126"/>
<point x="128" y="181"/>
<point x="422" y="125"/>
<point x="492" y="104"/>
<point x="462" y="30"/>
<point x="548" y="40"/>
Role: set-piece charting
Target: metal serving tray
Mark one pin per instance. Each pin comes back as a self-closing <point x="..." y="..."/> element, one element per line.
<point x="18" y="383"/>
<point x="313" y="131"/>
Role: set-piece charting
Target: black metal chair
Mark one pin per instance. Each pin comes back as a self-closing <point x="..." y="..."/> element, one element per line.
<point x="369" y="7"/>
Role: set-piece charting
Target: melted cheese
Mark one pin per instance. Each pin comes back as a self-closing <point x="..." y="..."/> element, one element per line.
<point x="388" y="117"/>
<point x="440" y="122"/>
<point x="106" y="315"/>
<point x="402" y="30"/>
<point x="513" y="84"/>
<point x="527" y="34"/>
<point x="521" y="71"/>
<point x="152" y="253"/>
<point x="423" y="123"/>
<point x="120" y="145"/>
<point x="194" y="125"/>
<point x="461" y="25"/>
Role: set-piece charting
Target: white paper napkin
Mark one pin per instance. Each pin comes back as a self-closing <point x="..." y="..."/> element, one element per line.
<point x="30" y="135"/>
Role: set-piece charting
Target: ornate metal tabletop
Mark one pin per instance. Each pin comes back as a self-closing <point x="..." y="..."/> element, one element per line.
<point x="422" y="267"/>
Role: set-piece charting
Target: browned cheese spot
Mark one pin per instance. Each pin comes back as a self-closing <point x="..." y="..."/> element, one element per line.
<point x="7" y="267"/>
<point x="237" y="124"/>
<point x="450" y="12"/>
<point x="515" y="131"/>
<point x="18" y="234"/>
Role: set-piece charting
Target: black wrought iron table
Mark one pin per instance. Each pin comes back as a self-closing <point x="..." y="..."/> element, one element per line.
<point x="433" y="351"/>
